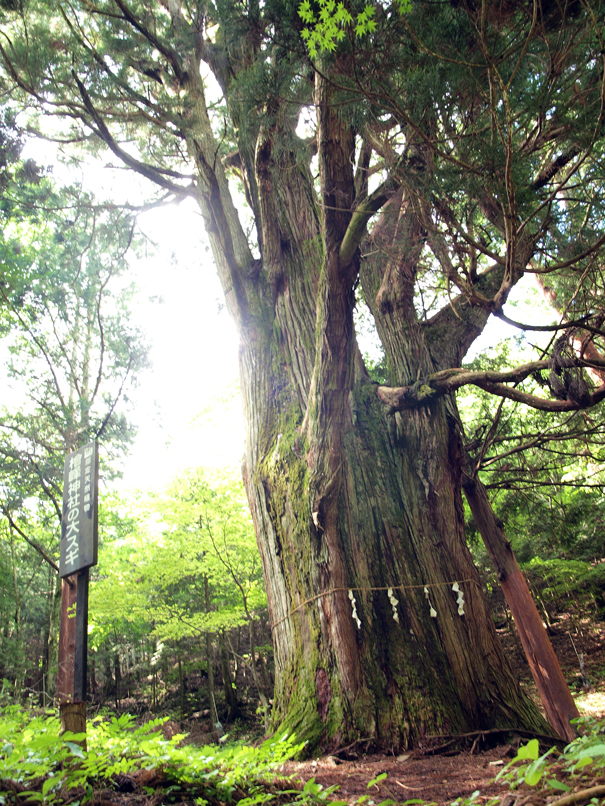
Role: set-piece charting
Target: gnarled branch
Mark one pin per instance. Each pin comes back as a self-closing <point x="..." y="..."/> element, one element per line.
<point x="447" y="381"/>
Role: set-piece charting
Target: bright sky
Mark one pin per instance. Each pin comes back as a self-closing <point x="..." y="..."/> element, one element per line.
<point x="187" y="407"/>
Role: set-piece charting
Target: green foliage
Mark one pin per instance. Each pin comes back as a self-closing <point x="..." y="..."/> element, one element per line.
<point x="25" y="581"/>
<point x="70" y="358"/>
<point x="10" y="149"/>
<point x="55" y="39"/>
<point x="312" y="792"/>
<point x="582" y="759"/>
<point x="471" y="800"/>
<point x="565" y="578"/>
<point x="328" y="23"/>
<point x="590" y="744"/>
<point x="70" y="353"/>
<point x="499" y="153"/>
<point x="198" y="534"/>
<point x="67" y="310"/>
<point x="178" y="577"/>
<point x="369" y="799"/>
<point x="557" y="522"/>
<point x="559" y="586"/>
<point x="529" y="772"/>
<point x="544" y="470"/>
<point x="31" y="748"/>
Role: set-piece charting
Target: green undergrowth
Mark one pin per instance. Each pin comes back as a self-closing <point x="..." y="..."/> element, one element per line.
<point x="580" y="763"/>
<point x="577" y="775"/>
<point x="37" y="765"/>
<point x="561" y="580"/>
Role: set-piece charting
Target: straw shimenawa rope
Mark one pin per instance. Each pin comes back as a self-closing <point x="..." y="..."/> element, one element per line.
<point x="382" y="588"/>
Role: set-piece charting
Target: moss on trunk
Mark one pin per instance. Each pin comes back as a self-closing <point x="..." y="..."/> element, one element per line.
<point x="400" y="526"/>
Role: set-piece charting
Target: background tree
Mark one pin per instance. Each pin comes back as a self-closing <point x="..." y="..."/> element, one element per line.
<point x="188" y="578"/>
<point x="544" y="472"/>
<point x="71" y="358"/>
<point x="475" y="134"/>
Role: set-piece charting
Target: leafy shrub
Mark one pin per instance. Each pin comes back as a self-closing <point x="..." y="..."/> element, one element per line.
<point x="32" y="751"/>
<point x="583" y="759"/>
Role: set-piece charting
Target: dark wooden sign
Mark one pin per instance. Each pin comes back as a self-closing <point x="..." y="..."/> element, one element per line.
<point x="79" y="550"/>
<point x="80" y="523"/>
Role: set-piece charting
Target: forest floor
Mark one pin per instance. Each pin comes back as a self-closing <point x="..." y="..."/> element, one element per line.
<point x="443" y="771"/>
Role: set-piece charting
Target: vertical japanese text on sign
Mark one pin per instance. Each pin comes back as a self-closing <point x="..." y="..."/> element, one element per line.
<point x="79" y="525"/>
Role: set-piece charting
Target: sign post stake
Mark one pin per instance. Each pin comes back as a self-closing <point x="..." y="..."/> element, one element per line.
<point x="79" y="550"/>
<point x="67" y="641"/>
<point x="81" y="648"/>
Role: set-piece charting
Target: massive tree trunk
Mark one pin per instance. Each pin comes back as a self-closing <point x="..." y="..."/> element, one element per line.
<point x="358" y="512"/>
<point x="397" y="523"/>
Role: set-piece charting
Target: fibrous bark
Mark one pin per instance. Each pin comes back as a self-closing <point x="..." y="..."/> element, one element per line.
<point x="350" y="501"/>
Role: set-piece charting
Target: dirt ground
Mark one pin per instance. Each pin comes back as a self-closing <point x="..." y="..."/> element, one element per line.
<point x="443" y="777"/>
<point x="412" y="776"/>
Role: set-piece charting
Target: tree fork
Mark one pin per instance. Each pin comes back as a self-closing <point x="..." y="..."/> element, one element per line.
<point x="545" y="668"/>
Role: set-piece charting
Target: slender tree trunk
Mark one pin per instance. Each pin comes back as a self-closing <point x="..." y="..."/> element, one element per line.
<point x="117" y="671"/>
<point x="228" y="684"/>
<point x="51" y="647"/>
<point x="264" y="675"/>
<point x="109" y="687"/>
<point x="18" y="654"/>
<point x="210" y="660"/>
<point x="543" y="663"/>
<point x="211" y="686"/>
<point x="93" y="676"/>
<point x="260" y="687"/>
<point x="181" y="685"/>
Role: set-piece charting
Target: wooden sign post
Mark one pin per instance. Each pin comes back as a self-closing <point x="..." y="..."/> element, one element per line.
<point x="79" y="550"/>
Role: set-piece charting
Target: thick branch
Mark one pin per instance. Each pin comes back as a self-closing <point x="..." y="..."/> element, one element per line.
<point x="582" y="322"/>
<point x="540" y="403"/>
<point x="572" y="260"/>
<point x="449" y="380"/>
<point x="142" y="168"/>
<point x="357" y="226"/>
<point x="167" y="52"/>
<point x="555" y="166"/>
